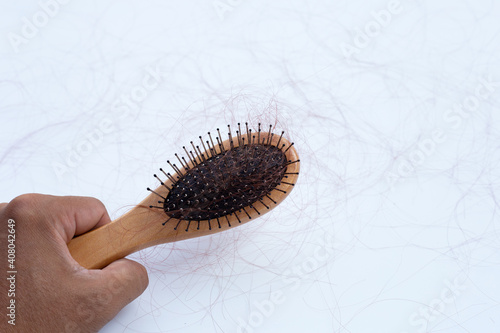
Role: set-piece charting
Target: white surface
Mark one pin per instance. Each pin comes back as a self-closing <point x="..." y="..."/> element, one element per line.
<point x="365" y="243"/>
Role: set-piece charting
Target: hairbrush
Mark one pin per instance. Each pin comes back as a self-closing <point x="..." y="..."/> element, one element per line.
<point x="219" y="185"/>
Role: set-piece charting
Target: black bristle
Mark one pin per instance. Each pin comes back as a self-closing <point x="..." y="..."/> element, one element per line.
<point x="218" y="183"/>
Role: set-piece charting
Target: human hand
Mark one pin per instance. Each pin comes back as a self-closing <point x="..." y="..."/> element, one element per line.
<point x="51" y="291"/>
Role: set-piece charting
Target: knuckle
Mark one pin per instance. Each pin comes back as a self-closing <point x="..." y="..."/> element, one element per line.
<point x="141" y="279"/>
<point x="95" y="203"/>
<point x="22" y="204"/>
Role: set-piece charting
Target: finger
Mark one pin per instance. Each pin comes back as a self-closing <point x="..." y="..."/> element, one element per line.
<point x="76" y="215"/>
<point x="126" y="280"/>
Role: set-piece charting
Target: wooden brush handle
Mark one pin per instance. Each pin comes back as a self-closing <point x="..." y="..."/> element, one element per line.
<point x="143" y="227"/>
<point x="134" y="231"/>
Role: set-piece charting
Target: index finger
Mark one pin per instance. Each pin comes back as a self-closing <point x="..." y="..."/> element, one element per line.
<point x="72" y="216"/>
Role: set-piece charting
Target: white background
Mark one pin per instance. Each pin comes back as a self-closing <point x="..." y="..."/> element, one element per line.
<point x="393" y="226"/>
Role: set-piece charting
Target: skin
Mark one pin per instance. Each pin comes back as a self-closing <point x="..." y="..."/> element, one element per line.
<point x="53" y="293"/>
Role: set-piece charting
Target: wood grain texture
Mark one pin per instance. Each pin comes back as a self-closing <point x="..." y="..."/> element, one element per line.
<point x="143" y="227"/>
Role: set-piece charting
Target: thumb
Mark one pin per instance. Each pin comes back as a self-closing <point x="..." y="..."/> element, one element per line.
<point x="125" y="280"/>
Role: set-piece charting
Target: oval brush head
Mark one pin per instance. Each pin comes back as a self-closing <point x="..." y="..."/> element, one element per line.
<point x="226" y="184"/>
